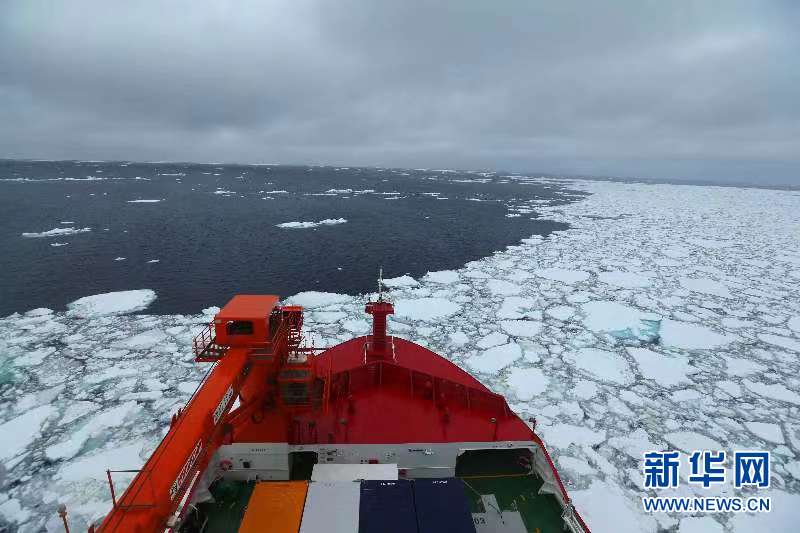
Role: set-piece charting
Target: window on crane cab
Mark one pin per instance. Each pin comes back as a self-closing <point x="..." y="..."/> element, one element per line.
<point x="239" y="327"/>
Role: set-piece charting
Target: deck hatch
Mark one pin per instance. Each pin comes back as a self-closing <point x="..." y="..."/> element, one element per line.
<point x="275" y="506"/>
<point x="442" y="506"/>
<point x="332" y="507"/>
<point x="387" y="507"/>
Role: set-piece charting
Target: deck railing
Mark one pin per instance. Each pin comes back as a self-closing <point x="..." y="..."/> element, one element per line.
<point x="204" y="346"/>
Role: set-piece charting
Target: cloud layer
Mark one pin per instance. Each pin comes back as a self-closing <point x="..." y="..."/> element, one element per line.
<point x="667" y="89"/>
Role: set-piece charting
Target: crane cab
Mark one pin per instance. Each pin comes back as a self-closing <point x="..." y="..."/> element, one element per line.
<point x="245" y="320"/>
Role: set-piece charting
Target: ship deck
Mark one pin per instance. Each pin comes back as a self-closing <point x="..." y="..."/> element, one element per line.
<point x="502" y="498"/>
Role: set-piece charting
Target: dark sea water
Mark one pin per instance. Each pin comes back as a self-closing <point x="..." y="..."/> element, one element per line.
<point x="214" y="231"/>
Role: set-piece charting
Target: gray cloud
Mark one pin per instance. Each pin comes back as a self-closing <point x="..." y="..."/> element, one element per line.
<point x="666" y="89"/>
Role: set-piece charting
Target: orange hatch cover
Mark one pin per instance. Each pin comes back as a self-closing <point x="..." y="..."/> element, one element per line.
<point x="275" y="506"/>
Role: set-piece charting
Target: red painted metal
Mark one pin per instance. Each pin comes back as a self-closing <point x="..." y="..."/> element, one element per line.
<point x="377" y="346"/>
<point x="62" y="512"/>
<point x="368" y="390"/>
<point x="249" y="310"/>
<point x="205" y="347"/>
<point x="111" y="488"/>
<point x="248" y="307"/>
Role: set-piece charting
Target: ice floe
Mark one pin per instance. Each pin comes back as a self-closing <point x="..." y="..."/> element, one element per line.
<point x="688" y="441"/>
<point x="425" y="308"/>
<point x="112" y="303"/>
<point x="498" y="286"/>
<point x="20" y="431"/>
<point x="496" y="358"/>
<point x="313" y="299"/>
<point x="402" y="281"/>
<point x="492" y="339"/>
<point x="92" y="466"/>
<point x="607" y="508"/>
<point x="620" y="320"/>
<point x="521" y="328"/>
<point x="767" y="431"/>
<point x="75" y="440"/>
<point x="666" y="370"/>
<point x="305" y="225"/>
<point x="56" y="232"/>
<point x="34" y="357"/>
<point x="707" y="286"/>
<point x="783" y="342"/>
<point x="527" y="383"/>
<point x="563" y="275"/>
<point x="560" y="312"/>
<point x="564" y="435"/>
<point x="775" y="391"/>
<point x="629" y="280"/>
<point x="601" y="364"/>
<point x="676" y="334"/>
<point x="450" y="276"/>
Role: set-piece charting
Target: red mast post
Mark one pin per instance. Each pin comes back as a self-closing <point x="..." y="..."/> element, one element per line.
<point x="377" y="347"/>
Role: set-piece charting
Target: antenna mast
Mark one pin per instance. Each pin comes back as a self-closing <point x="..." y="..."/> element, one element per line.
<point x="380" y="284"/>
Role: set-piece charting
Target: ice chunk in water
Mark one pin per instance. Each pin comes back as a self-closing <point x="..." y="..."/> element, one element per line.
<point x="527" y="383"/>
<point x="19" y="432"/>
<point x="621" y="321"/>
<point x="691" y="336"/>
<point x="495" y="359"/>
<point x="112" y="303"/>
<point x="425" y="308"/>
<point x="601" y="364"/>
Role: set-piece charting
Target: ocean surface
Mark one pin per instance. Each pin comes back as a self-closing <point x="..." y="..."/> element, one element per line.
<point x="198" y="234"/>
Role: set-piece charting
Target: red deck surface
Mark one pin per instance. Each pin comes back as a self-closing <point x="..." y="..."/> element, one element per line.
<point x="391" y="416"/>
<point x="420" y="397"/>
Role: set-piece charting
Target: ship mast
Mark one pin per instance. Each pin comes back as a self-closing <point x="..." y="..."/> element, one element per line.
<point x="377" y="346"/>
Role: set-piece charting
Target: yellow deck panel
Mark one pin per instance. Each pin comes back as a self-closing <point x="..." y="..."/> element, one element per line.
<point x="275" y="507"/>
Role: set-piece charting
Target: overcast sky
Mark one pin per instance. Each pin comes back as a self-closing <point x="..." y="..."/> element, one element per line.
<point x="703" y="89"/>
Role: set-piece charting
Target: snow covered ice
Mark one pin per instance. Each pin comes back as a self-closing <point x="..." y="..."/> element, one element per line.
<point x="311" y="224"/>
<point x="112" y="304"/>
<point x="667" y="316"/>
<point x="56" y="232"/>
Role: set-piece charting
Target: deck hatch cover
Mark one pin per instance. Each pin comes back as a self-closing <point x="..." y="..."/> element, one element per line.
<point x="387" y="507"/>
<point x="442" y="506"/>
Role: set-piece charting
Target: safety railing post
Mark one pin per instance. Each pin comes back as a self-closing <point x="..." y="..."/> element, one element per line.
<point x="111" y="486"/>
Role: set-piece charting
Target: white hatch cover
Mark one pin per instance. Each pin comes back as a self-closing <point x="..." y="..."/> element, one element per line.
<point x="331" y="507"/>
<point x="353" y="472"/>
